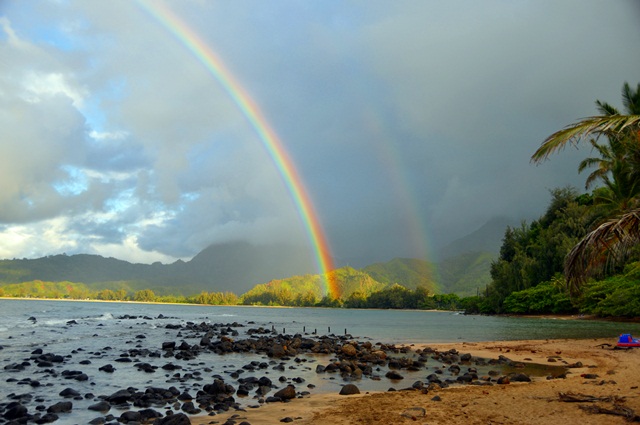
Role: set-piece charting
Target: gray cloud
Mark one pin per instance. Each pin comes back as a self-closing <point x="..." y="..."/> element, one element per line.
<point x="410" y="123"/>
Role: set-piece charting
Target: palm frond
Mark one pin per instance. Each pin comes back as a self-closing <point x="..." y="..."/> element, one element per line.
<point x="590" y="126"/>
<point x="631" y="98"/>
<point x="608" y="245"/>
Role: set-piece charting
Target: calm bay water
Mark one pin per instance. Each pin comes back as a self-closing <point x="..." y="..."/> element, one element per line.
<point x="395" y="326"/>
<point x="102" y="331"/>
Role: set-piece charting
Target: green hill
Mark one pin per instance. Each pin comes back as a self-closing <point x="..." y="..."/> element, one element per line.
<point x="310" y="289"/>
<point x="467" y="273"/>
<point x="408" y="272"/>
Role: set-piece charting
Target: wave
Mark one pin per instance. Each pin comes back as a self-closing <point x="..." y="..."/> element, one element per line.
<point x="102" y="318"/>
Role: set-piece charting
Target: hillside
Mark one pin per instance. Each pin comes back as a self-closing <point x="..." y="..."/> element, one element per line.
<point x="408" y="272"/>
<point x="235" y="267"/>
<point x="309" y="289"/>
<point x="487" y="238"/>
<point x="466" y="274"/>
<point x="239" y="267"/>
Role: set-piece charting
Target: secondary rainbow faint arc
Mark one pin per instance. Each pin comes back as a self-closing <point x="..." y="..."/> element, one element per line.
<point x="267" y="135"/>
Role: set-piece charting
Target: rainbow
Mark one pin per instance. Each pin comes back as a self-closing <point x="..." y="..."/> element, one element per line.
<point x="285" y="166"/>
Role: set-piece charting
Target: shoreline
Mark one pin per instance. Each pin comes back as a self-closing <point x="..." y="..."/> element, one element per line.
<point x="606" y="374"/>
<point x="585" y="317"/>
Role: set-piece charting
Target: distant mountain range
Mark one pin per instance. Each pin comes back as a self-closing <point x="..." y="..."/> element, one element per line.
<point x="239" y="266"/>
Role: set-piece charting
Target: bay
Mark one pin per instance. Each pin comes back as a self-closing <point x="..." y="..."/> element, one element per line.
<point x="93" y="334"/>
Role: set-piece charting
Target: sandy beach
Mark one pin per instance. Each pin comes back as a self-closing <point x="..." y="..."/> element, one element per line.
<point x="608" y="381"/>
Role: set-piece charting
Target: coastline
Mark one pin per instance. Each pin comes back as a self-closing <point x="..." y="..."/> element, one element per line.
<point x="606" y="374"/>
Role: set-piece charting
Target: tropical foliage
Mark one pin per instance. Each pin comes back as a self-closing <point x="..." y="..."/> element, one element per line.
<point x="618" y="168"/>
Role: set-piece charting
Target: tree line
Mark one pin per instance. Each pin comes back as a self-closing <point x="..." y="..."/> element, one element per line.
<point x="582" y="255"/>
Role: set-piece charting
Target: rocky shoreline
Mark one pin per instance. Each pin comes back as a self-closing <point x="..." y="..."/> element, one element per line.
<point x="194" y="389"/>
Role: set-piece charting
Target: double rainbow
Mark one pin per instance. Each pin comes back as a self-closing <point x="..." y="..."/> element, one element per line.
<point x="189" y="39"/>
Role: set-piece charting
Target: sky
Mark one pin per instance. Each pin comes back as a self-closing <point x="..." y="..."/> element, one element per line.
<point x="410" y="123"/>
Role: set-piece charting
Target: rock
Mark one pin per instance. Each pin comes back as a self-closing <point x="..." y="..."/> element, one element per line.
<point x="147" y="414"/>
<point x="119" y="397"/>
<point x="287" y="419"/>
<point x="60" y="407"/>
<point x="169" y="345"/>
<point x="393" y="375"/>
<point x="287" y="393"/>
<point x="519" y="377"/>
<point x="276" y="350"/>
<point x="107" y="368"/>
<point x="47" y="418"/>
<point x="175" y="419"/>
<point x="589" y="376"/>
<point x="504" y="380"/>
<point x="379" y="354"/>
<point x="16" y="411"/>
<point x="190" y="408"/>
<point x="436" y="398"/>
<point x="349" y="350"/>
<point x="130" y="416"/>
<point x="102" y="406"/>
<point x="349" y="389"/>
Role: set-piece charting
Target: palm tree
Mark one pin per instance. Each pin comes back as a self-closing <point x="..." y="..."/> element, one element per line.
<point x="619" y="168"/>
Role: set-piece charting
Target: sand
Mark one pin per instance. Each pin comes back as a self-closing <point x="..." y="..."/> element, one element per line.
<point x="617" y="384"/>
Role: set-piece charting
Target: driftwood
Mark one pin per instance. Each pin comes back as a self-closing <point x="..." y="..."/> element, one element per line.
<point x="616" y="410"/>
<point x="571" y="397"/>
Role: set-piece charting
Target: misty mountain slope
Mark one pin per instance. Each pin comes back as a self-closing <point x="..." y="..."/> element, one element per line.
<point x="467" y="273"/>
<point x="408" y="272"/>
<point x="235" y="267"/>
<point x="488" y="238"/>
<point x="239" y="266"/>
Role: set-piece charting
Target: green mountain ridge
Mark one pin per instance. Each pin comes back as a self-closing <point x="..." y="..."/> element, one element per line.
<point x="211" y="271"/>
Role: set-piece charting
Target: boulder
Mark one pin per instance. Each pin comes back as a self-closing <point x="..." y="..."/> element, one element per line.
<point x="519" y="377"/>
<point x="393" y="375"/>
<point x="349" y="389"/>
<point x="16" y="411"/>
<point x="69" y="393"/>
<point x="349" y="350"/>
<point x="175" y="419"/>
<point x="130" y="416"/>
<point x="287" y="393"/>
<point x="60" y="407"/>
<point x="119" y="397"/>
<point x="102" y="406"/>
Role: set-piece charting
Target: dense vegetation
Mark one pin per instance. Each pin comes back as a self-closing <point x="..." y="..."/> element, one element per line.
<point x="582" y="254"/>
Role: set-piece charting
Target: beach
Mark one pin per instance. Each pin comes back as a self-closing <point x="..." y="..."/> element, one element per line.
<point x="84" y="362"/>
<point x="608" y="377"/>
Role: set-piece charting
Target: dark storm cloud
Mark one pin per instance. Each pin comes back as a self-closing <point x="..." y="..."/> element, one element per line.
<point x="406" y="120"/>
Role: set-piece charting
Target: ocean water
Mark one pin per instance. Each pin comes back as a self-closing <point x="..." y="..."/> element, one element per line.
<point x="101" y="332"/>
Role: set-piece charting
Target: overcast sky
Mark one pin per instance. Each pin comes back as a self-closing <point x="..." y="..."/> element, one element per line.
<point x="411" y="123"/>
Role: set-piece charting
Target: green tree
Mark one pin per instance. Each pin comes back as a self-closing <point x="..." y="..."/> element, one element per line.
<point x="619" y="168"/>
<point x="144" y="295"/>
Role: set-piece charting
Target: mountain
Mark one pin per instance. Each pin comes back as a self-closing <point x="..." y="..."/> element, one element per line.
<point x="408" y="272"/>
<point x="239" y="266"/>
<point x="467" y="273"/>
<point x="234" y="266"/>
<point x="487" y="238"/>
